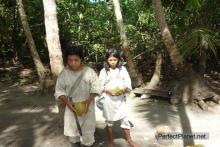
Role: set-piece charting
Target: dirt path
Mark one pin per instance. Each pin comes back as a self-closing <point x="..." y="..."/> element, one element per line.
<point x="30" y="120"/>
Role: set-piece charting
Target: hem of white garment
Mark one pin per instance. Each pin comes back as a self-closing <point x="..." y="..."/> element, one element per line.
<point x="78" y="135"/>
<point x="125" y="127"/>
<point x="77" y="139"/>
<point x="114" y="119"/>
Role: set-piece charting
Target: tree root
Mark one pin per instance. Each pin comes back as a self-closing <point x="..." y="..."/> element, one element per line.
<point x="193" y="89"/>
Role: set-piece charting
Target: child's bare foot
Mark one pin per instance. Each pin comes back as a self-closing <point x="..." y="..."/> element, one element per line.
<point x="128" y="138"/>
<point x="111" y="145"/>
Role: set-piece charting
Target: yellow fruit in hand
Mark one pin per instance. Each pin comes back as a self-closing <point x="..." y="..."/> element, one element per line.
<point x="80" y="108"/>
<point x="118" y="90"/>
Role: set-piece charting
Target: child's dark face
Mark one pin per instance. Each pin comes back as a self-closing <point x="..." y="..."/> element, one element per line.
<point x="112" y="61"/>
<point x="74" y="62"/>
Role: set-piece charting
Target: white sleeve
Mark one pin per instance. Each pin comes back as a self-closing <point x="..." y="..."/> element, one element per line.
<point x="126" y="77"/>
<point x="102" y="78"/>
<point x="60" y="86"/>
<point x="95" y="83"/>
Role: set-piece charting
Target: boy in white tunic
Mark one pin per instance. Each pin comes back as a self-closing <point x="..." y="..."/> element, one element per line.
<point x="115" y="82"/>
<point x="85" y="92"/>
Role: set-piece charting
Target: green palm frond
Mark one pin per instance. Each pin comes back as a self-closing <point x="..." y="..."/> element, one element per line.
<point x="198" y="41"/>
<point x="192" y="5"/>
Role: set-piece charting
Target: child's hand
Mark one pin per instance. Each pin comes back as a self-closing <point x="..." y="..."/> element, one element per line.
<point x="87" y="104"/>
<point x="67" y="103"/>
<point x="70" y="106"/>
<point x="111" y="92"/>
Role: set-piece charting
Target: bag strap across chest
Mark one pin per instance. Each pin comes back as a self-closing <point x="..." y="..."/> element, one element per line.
<point x="77" y="82"/>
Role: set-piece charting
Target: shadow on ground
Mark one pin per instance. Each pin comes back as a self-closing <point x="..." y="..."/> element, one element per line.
<point x="25" y="116"/>
<point x="161" y="113"/>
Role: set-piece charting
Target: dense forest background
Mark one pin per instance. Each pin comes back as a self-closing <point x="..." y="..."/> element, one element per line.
<point x="194" y="25"/>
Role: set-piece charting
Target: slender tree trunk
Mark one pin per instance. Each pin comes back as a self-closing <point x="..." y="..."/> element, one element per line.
<point x="202" y="56"/>
<point x="54" y="48"/>
<point x="34" y="54"/>
<point x="157" y="73"/>
<point x="14" y="35"/>
<point x="156" y="76"/>
<point x="135" y="75"/>
<point x="202" y="63"/>
<point x="171" y="48"/>
<point x="52" y="36"/>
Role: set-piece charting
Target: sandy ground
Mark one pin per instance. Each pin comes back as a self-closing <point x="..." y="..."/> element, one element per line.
<point x="28" y="119"/>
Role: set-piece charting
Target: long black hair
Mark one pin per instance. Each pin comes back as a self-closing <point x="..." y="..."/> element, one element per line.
<point x="114" y="53"/>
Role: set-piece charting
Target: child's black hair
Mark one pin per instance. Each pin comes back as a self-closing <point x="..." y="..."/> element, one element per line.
<point x="74" y="50"/>
<point x="115" y="53"/>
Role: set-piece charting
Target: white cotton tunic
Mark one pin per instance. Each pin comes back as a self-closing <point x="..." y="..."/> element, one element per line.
<point x="89" y="84"/>
<point x="114" y="107"/>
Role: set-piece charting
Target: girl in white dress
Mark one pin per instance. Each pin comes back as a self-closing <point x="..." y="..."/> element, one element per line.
<point x="115" y="82"/>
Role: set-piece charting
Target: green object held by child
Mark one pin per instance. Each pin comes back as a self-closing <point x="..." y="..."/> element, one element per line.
<point x="80" y="108"/>
<point x="118" y="91"/>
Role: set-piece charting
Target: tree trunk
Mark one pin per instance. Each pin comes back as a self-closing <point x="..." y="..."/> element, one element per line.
<point x="15" y="35"/>
<point x="34" y="54"/>
<point x="202" y="57"/>
<point x="52" y="37"/>
<point x="54" y="48"/>
<point x="171" y="48"/>
<point x="189" y="85"/>
<point x="135" y="75"/>
<point x="157" y="72"/>
<point x="156" y="76"/>
<point x="202" y="63"/>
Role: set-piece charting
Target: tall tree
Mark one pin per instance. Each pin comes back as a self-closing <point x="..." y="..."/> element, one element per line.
<point x="171" y="47"/>
<point x="52" y="36"/>
<point x="135" y="75"/>
<point x="54" y="47"/>
<point x="34" y="54"/>
<point x="188" y="84"/>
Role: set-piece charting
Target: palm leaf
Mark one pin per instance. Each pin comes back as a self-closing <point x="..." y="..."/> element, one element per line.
<point x="198" y="41"/>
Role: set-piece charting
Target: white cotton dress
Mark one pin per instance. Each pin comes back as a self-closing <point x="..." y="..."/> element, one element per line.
<point x="114" y="107"/>
<point x="89" y="84"/>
